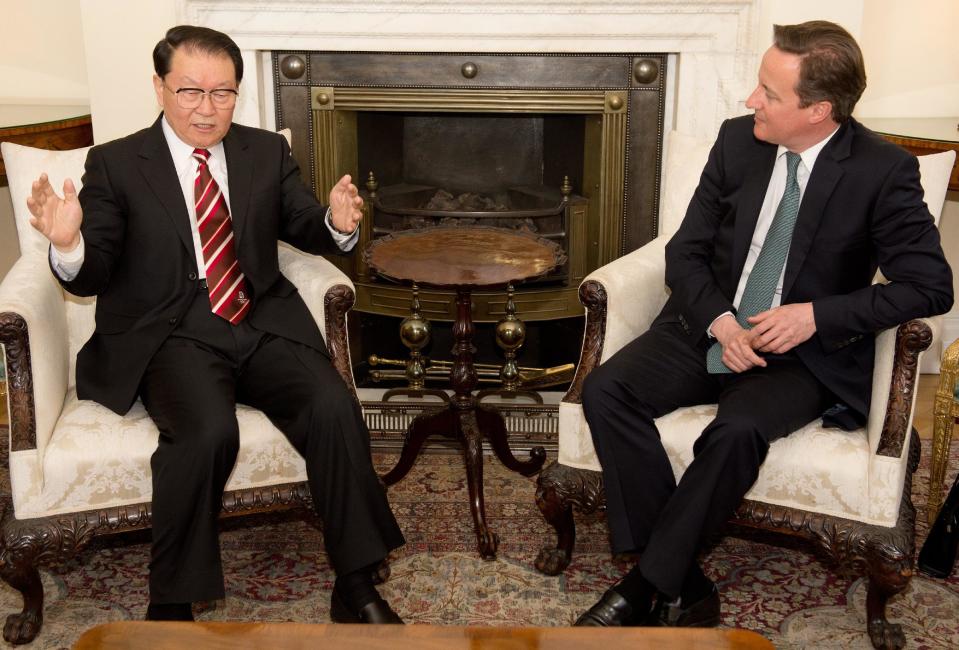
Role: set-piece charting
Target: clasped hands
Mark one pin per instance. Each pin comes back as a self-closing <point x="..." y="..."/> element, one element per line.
<point x="774" y="331"/>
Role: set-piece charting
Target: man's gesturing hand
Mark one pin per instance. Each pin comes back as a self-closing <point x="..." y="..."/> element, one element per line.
<point x="346" y="204"/>
<point x="58" y="219"/>
<point x="782" y="328"/>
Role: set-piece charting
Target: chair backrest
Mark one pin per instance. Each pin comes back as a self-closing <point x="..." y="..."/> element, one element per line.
<point x="24" y="165"/>
<point x="934" y="171"/>
<point x="686" y="157"/>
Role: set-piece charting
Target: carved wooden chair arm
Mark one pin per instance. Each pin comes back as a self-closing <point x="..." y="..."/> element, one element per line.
<point x="912" y="337"/>
<point x="621" y="301"/>
<point x="33" y="331"/>
<point x="329" y="294"/>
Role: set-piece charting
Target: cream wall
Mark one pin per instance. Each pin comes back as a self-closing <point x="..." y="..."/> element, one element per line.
<point x="118" y="40"/>
<point x="913" y="58"/>
<point x="41" y="62"/>
<point x="41" y="53"/>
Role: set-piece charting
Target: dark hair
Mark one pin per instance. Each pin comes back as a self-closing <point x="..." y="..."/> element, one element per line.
<point x="832" y="67"/>
<point x="198" y="39"/>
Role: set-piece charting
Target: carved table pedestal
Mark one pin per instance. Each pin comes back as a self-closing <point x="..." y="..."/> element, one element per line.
<point x="464" y="258"/>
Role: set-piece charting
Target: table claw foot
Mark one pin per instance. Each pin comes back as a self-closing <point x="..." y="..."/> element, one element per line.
<point x="537" y="456"/>
<point x="487" y="542"/>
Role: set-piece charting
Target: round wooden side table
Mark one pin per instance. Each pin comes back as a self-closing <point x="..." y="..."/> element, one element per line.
<point x="464" y="258"/>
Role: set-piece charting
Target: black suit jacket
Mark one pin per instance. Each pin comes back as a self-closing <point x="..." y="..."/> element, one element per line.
<point x="862" y="209"/>
<point x="140" y="261"/>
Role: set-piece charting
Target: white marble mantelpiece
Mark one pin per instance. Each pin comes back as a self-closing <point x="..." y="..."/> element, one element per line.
<point x="713" y="42"/>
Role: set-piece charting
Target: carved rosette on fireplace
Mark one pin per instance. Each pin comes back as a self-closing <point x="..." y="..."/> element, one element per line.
<point x="566" y="146"/>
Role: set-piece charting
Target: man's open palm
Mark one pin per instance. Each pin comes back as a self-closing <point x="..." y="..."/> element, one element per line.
<point x="58" y="219"/>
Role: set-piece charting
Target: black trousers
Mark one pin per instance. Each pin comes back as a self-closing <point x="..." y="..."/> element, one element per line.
<point x="657" y="373"/>
<point x="191" y="388"/>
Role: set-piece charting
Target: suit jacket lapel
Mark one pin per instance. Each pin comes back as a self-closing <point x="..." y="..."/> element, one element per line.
<point x="756" y="181"/>
<point x="239" y="166"/>
<point x="159" y="172"/>
<point x="825" y="174"/>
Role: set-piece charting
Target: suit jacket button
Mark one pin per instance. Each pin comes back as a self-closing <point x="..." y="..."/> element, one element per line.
<point x="172" y="321"/>
<point x="192" y="276"/>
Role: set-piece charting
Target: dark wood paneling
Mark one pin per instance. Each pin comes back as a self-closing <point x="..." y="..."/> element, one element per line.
<point x="59" y="135"/>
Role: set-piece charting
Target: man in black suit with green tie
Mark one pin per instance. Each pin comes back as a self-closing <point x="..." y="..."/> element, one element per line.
<point x="772" y="314"/>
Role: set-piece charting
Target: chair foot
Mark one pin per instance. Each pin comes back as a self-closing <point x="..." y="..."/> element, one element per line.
<point x="886" y="635"/>
<point x="558" y="489"/>
<point x="884" y="583"/>
<point x="24" y="626"/>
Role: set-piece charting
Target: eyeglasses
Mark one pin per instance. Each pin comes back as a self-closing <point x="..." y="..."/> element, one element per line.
<point x="193" y="97"/>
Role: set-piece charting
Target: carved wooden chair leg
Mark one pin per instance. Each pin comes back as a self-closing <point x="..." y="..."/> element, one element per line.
<point x="18" y="570"/>
<point x="558" y="513"/>
<point x="883" y="584"/>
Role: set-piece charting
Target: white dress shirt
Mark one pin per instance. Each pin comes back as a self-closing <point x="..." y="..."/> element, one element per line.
<point x="67" y="265"/>
<point x="774" y="194"/>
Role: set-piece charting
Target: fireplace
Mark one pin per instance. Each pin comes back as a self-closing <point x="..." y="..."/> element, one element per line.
<point x="566" y="146"/>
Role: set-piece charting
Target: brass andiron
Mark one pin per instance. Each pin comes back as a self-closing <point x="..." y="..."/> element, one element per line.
<point x="510" y="336"/>
<point x="415" y="334"/>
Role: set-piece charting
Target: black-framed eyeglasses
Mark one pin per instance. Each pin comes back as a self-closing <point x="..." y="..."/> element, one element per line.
<point x="193" y="97"/>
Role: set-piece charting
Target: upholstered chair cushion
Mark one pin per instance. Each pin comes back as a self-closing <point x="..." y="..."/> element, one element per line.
<point x="87" y="456"/>
<point x="828" y="471"/>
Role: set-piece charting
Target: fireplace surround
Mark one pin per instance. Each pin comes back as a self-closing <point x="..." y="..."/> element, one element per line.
<point x="567" y="146"/>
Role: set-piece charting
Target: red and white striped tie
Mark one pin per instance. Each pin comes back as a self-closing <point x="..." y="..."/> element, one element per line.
<point x="229" y="297"/>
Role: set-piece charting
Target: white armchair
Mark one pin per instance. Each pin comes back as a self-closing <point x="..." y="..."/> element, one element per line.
<point x="76" y="469"/>
<point x="847" y="491"/>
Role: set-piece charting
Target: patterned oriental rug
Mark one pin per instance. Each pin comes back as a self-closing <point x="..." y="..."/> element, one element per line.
<point x="276" y="570"/>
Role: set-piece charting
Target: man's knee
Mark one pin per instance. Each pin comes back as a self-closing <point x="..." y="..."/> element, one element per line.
<point x="212" y="437"/>
<point x="330" y="406"/>
<point x="607" y="394"/>
<point x="734" y="438"/>
<point x="600" y="390"/>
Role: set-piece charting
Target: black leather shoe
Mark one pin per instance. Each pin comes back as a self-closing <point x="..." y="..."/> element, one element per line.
<point x="612" y="610"/>
<point x="169" y="612"/>
<point x="938" y="554"/>
<point x="377" y="612"/>
<point x="702" y="613"/>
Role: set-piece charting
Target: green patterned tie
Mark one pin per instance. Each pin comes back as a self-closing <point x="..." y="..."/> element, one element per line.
<point x="762" y="281"/>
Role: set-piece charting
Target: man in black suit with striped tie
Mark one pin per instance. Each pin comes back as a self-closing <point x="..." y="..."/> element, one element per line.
<point x="175" y="231"/>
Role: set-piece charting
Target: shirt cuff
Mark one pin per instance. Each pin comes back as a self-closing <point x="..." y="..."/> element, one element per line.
<point x="345" y="241"/>
<point x="709" y="330"/>
<point x="67" y="265"/>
